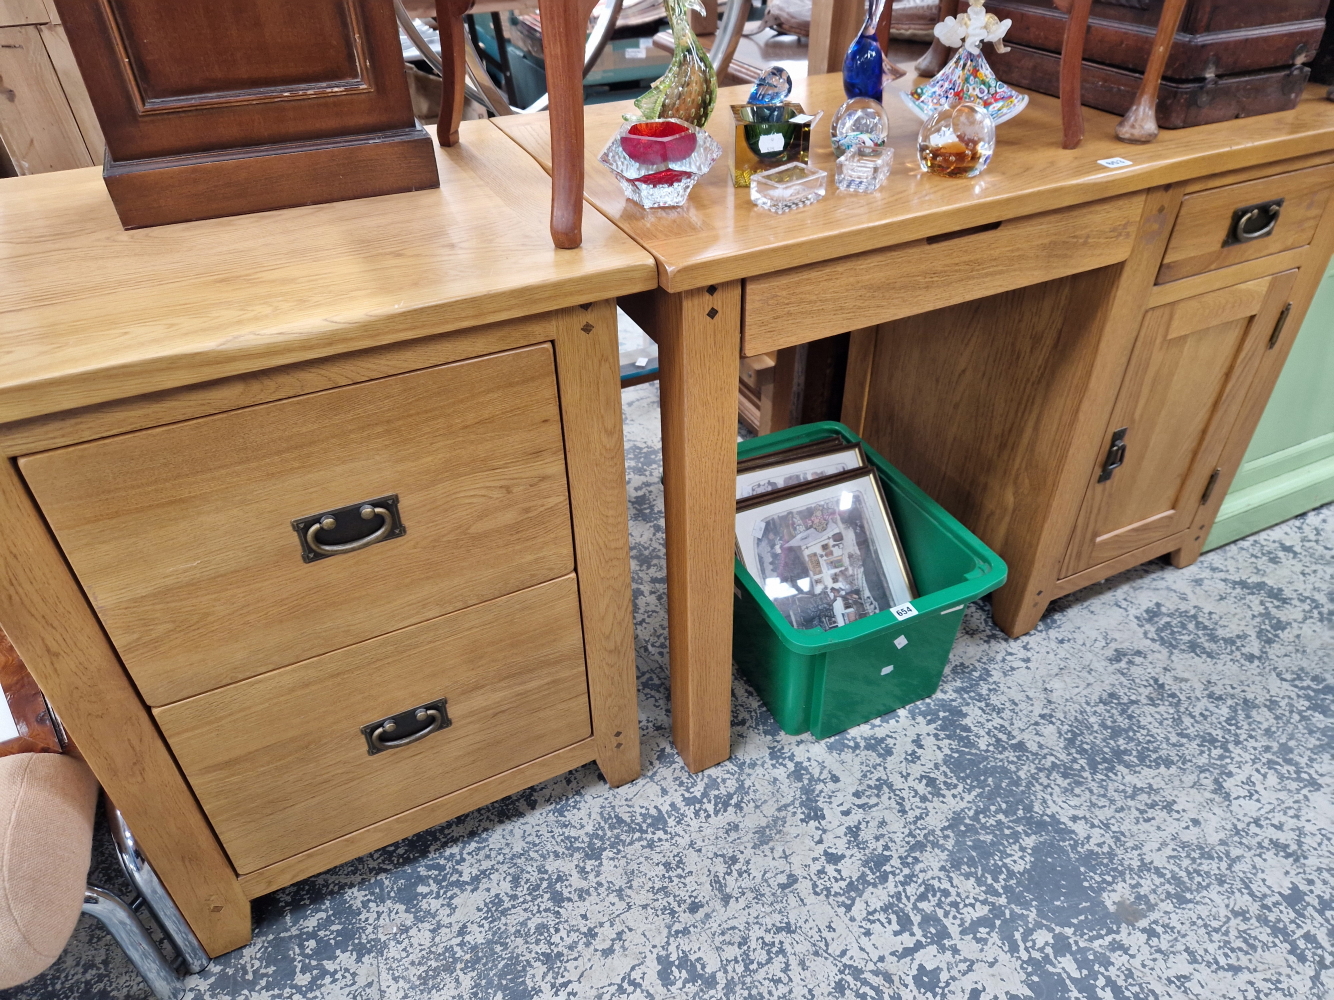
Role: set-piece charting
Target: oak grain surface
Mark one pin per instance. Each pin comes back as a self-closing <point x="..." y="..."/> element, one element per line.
<point x="93" y="313"/>
<point x="719" y="235"/>
<point x="279" y="762"/>
<point x="182" y="536"/>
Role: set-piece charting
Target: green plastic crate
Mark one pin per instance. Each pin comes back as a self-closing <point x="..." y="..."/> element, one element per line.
<point x="826" y="682"/>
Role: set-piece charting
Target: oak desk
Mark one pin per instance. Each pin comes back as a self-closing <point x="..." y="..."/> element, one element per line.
<point x="174" y="400"/>
<point x="993" y="356"/>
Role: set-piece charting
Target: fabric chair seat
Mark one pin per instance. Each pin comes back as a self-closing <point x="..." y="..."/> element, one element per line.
<point x="47" y="803"/>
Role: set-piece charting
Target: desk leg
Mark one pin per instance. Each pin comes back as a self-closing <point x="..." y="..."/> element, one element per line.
<point x="699" y="342"/>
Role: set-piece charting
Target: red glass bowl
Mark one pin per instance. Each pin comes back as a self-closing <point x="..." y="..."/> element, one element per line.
<point x="657" y="142"/>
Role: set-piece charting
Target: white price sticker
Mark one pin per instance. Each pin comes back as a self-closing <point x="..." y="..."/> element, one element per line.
<point x="904" y="611"/>
<point x="636" y="53"/>
<point x="771" y="143"/>
<point x="1115" y="162"/>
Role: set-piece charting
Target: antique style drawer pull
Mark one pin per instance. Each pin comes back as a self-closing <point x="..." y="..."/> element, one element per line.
<point x="1245" y="220"/>
<point x="380" y="735"/>
<point x="346" y="518"/>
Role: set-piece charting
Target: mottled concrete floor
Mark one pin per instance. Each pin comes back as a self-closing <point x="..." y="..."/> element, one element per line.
<point x="1133" y="801"/>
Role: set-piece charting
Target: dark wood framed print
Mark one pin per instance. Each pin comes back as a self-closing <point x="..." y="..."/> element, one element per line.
<point x="794" y="466"/>
<point x="236" y="106"/>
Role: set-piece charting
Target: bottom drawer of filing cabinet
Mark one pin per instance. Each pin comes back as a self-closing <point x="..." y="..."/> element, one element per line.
<point x="281" y="764"/>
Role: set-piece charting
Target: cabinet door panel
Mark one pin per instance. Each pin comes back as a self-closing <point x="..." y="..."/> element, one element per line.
<point x="1189" y="371"/>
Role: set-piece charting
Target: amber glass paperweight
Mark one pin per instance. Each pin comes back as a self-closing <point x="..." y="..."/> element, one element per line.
<point x="768" y="136"/>
<point x="957" y="141"/>
<point x="658" y="162"/>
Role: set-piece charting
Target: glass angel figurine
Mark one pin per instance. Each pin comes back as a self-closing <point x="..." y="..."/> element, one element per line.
<point x="688" y="89"/>
<point x="967" y="78"/>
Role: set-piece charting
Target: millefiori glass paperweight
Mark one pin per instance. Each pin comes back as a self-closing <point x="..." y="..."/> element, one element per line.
<point x="688" y="89"/>
<point x="864" y="64"/>
<point x="863" y="168"/>
<point x="658" y="162"/>
<point x="861" y="121"/>
<point x="769" y="135"/>
<point x="957" y="141"/>
<point x="773" y="87"/>
<point x="793" y="185"/>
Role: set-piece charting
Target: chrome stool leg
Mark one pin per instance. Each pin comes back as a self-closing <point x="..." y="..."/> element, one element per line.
<point x="153" y="894"/>
<point x="123" y="923"/>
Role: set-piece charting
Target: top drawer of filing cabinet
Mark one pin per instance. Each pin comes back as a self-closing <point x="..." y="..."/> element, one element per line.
<point x="182" y="535"/>
<point x="1205" y="237"/>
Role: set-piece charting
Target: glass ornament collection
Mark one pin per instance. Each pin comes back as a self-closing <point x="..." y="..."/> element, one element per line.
<point x="659" y="157"/>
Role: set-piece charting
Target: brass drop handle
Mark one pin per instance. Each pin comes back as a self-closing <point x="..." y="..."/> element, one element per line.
<point x="1242" y="233"/>
<point x="434" y="715"/>
<point x="327" y="523"/>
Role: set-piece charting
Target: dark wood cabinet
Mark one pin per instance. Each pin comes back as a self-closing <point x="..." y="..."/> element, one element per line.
<point x="243" y="106"/>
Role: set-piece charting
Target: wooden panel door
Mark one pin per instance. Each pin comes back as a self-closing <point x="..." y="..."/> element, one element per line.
<point x="1182" y="392"/>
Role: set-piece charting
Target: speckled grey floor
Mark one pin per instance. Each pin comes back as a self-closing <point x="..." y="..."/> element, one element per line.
<point x="1133" y="801"/>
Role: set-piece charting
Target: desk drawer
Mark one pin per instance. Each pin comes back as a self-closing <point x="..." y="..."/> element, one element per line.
<point x="280" y="763"/>
<point x="805" y="303"/>
<point x="1205" y="236"/>
<point x="182" y="535"/>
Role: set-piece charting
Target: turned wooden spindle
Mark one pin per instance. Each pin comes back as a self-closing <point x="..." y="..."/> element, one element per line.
<point x="449" y="19"/>
<point x="1072" y="70"/>
<point x="883" y="25"/>
<point x="1140" y="125"/>
<point x="564" y="24"/>
<point x="939" y="54"/>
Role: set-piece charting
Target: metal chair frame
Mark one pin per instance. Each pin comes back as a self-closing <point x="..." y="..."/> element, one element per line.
<point x="124" y="918"/>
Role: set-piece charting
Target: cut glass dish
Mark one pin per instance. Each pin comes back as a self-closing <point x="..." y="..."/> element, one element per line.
<point x="658" y="162"/>
<point x="791" y="186"/>
<point x="863" y="169"/>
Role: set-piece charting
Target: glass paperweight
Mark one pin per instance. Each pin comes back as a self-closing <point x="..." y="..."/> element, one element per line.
<point x="767" y="136"/>
<point x="957" y="141"/>
<point x="688" y="89"/>
<point x="864" y="64"/>
<point x="861" y="121"/>
<point x="863" y="168"/>
<point x="658" y="162"/>
<point x="791" y="186"/>
<point x="772" y="87"/>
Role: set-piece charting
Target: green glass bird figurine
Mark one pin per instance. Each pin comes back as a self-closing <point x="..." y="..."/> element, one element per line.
<point x="689" y="88"/>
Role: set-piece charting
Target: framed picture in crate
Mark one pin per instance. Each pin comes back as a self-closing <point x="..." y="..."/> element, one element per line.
<point x="825" y="552"/>
<point x="794" y="466"/>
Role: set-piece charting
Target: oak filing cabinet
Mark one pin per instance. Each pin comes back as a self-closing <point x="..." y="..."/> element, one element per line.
<point x="970" y="400"/>
<point x="315" y="521"/>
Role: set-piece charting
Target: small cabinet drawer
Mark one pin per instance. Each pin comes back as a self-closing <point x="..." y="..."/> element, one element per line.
<point x="1240" y="222"/>
<point x="281" y="763"/>
<point x="183" y="535"/>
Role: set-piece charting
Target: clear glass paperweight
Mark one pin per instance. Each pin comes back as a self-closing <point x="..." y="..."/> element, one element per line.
<point x="863" y="168"/>
<point x="782" y="189"/>
<point x="861" y="121"/>
<point x="957" y="141"/>
<point x="658" y="162"/>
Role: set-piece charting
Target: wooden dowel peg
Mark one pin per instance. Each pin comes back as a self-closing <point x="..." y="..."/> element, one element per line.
<point x="1072" y="70"/>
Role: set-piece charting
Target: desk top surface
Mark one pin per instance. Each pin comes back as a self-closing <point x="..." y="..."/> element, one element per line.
<point x="90" y="312"/>
<point x="720" y="236"/>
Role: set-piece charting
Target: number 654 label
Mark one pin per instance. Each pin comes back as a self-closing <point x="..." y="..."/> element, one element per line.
<point x="903" y="611"/>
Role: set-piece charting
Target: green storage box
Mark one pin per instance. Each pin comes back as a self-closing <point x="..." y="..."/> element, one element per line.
<point x="826" y="682"/>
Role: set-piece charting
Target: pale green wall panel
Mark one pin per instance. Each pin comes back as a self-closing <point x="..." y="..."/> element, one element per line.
<point x="1289" y="467"/>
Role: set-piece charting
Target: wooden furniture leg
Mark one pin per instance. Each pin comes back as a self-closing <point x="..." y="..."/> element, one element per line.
<point x="449" y="18"/>
<point x="834" y="24"/>
<point x="883" y="25"/>
<point x="1072" y="71"/>
<point x="563" y="24"/>
<point x="1140" y="125"/>
<point x="699" y="339"/>
<point x="939" y="54"/>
